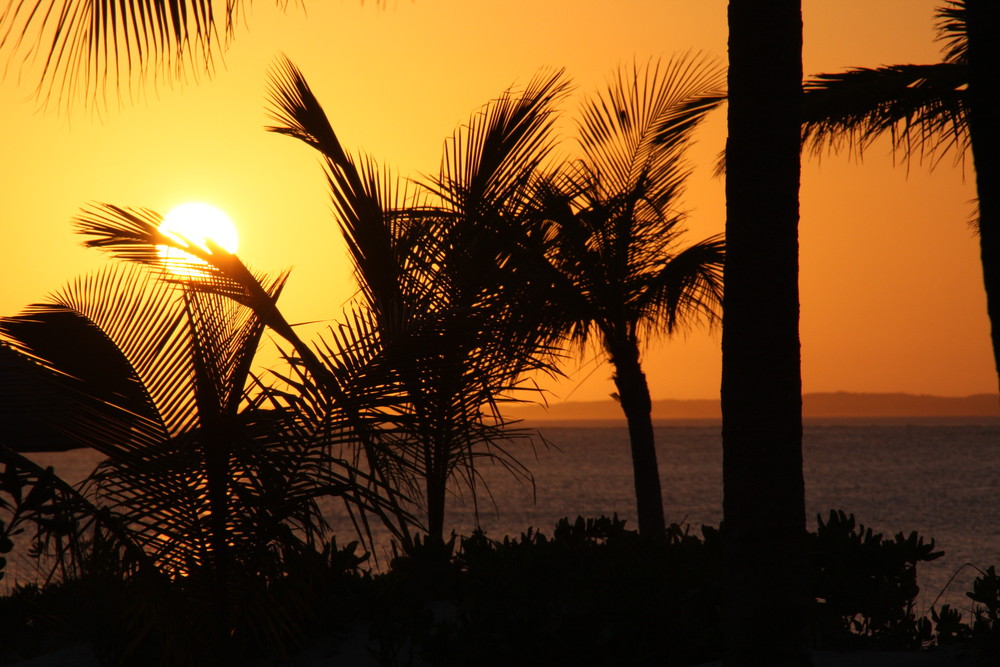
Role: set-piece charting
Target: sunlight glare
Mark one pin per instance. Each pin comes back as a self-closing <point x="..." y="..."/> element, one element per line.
<point x="195" y="222"/>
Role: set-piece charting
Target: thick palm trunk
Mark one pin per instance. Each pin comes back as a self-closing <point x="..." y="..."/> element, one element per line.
<point x="633" y="392"/>
<point x="983" y="23"/>
<point x="767" y="603"/>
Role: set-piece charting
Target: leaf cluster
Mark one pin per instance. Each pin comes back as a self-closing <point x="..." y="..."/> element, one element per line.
<point x="86" y="49"/>
<point x="923" y="109"/>
<point x="866" y="585"/>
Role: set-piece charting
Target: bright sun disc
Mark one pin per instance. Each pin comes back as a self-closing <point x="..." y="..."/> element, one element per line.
<point x="195" y="222"/>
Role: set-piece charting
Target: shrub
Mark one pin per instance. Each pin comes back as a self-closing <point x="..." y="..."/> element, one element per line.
<point x="865" y="585"/>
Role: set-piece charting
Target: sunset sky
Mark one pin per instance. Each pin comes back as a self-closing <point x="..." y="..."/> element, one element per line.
<point x="891" y="289"/>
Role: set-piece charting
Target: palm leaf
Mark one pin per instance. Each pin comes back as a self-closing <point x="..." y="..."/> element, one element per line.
<point x="118" y="383"/>
<point x="689" y="286"/>
<point x="952" y="31"/>
<point x="90" y="43"/>
<point x="635" y="130"/>
<point x="921" y="108"/>
<point x="490" y="158"/>
<point x="85" y="46"/>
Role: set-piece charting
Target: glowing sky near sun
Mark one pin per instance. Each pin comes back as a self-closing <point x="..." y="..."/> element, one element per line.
<point x="891" y="291"/>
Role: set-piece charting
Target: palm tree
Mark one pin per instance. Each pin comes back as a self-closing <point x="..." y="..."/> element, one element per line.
<point x="437" y="337"/>
<point x="85" y="45"/>
<point x="203" y="493"/>
<point x="928" y="110"/>
<point x="438" y="278"/>
<point x="767" y="601"/>
<point x="323" y="406"/>
<point x="615" y="238"/>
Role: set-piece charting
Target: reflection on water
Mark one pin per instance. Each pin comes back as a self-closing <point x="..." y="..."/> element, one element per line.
<point x="940" y="477"/>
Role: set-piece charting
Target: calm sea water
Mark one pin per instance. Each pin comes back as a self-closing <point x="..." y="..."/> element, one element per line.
<point x="940" y="477"/>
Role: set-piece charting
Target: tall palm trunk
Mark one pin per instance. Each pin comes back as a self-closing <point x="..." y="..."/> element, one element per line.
<point x="764" y="511"/>
<point x="633" y="392"/>
<point x="982" y="23"/>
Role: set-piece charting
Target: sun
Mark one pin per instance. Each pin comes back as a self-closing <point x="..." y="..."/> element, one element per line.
<point x="194" y="223"/>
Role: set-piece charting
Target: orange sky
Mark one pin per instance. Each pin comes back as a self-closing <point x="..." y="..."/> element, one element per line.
<point x="890" y="281"/>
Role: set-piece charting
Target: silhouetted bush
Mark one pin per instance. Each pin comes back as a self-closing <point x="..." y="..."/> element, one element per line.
<point x="865" y="586"/>
<point x="595" y="592"/>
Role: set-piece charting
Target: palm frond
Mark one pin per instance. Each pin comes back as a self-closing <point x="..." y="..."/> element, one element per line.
<point x="921" y="108"/>
<point x="634" y="131"/>
<point x="488" y="160"/>
<point x="361" y="194"/>
<point x="85" y="46"/>
<point x="689" y="286"/>
<point x="952" y="29"/>
<point x="118" y="382"/>
<point x="134" y="235"/>
<point x="298" y="113"/>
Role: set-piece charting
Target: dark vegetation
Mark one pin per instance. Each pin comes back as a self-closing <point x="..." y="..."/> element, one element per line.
<point x="199" y="540"/>
<point x="594" y="592"/>
<point x="205" y="511"/>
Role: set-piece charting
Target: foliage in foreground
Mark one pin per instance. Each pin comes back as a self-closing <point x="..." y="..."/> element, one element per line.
<point x="594" y="592"/>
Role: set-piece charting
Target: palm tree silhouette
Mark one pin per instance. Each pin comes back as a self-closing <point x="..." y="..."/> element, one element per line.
<point x="324" y="407"/>
<point x="437" y="339"/>
<point x="445" y="304"/>
<point x="928" y="110"/>
<point x="204" y="492"/>
<point x="767" y="602"/>
<point x="93" y="43"/>
<point x="615" y="231"/>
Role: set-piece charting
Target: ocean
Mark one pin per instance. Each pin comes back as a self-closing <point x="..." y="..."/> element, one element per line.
<point x="937" y="476"/>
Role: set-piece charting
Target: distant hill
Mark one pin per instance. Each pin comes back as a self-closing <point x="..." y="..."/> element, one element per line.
<point x="837" y="404"/>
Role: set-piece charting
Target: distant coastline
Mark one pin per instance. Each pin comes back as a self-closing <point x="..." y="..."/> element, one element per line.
<point x="814" y="405"/>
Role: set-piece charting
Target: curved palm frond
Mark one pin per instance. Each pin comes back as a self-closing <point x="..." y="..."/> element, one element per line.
<point x="134" y="235"/>
<point x="83" y="47"/>
<point x="489" y="160"/>
<point x="362" y="196"/>
<point x="120" y="381"/>
<point x="952" y="29"/>
<point x="632" y="134"/>
<point x="689" y="286"/>
<point x="922" y="108"/>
